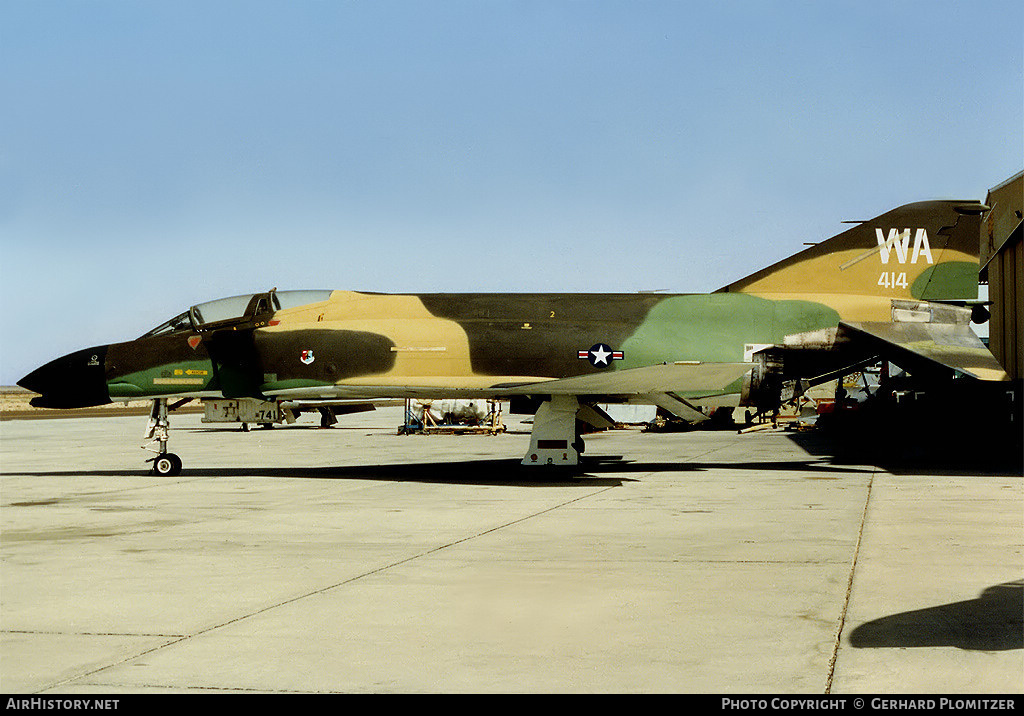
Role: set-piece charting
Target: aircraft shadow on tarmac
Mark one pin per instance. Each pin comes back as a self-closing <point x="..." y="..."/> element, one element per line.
<point x="593" y="471"/>
<point x="992" y="622"/>
<point x="507" y="473"/>
<point x="471" y="472"/>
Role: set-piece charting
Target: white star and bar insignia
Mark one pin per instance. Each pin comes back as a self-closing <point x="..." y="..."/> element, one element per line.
<point x="600" y="355"/>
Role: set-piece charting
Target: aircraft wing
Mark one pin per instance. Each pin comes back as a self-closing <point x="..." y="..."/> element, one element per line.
<point x="950" y="345"/>
<point x="682" y="377"/>
<point x="710" y="378"/>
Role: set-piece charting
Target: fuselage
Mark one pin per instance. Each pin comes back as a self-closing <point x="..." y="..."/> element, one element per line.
<point x="459" y="343"/>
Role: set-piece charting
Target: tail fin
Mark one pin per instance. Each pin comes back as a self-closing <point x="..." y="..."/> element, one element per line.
<point x="925" y="251"/>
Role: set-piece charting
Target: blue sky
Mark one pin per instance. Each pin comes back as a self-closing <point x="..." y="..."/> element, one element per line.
<point x="154" y="155"/>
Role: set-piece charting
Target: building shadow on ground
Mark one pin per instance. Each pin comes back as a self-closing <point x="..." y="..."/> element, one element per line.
<point x="915" y="450"/>
<point x="992" y="622"/>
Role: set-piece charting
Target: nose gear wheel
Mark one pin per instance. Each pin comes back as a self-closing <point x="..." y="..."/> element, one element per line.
<point x="165" y="464"/>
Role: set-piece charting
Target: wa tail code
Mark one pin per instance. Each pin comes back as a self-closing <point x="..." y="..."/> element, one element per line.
<point x="901" y="243"/>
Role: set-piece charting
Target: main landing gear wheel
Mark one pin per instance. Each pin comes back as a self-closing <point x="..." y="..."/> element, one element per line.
<point x="167" y="465"/>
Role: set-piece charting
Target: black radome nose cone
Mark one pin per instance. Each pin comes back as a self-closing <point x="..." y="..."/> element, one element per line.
<point x="76" y="380"/>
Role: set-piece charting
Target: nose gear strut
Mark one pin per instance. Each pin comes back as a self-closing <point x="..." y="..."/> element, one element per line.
<point x="165" y="464"/>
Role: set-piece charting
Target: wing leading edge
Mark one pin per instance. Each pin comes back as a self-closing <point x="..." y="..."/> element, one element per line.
<point x="688" y="378"/>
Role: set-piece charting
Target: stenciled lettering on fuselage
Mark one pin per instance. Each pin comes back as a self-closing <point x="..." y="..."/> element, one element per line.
<point x="898" y="243"/>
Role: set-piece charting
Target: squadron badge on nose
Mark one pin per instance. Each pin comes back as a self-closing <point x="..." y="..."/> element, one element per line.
<point x="307" y="356"/>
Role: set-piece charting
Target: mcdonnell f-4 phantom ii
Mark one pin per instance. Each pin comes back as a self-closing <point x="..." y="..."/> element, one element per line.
<point x="896" y="287"/>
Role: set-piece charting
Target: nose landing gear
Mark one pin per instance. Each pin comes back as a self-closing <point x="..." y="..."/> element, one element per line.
<point x="165" y="464"/>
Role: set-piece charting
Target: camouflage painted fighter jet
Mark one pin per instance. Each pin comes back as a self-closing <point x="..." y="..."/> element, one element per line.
<point x="872" y="291"/>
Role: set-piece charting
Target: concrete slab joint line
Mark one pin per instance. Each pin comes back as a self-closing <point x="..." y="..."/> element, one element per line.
<point x="316" y="592"/>
<point x="849" y="588"/>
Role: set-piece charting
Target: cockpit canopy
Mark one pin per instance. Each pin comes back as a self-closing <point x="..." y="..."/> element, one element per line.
<point x="236" y="308"/>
